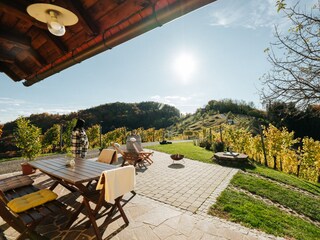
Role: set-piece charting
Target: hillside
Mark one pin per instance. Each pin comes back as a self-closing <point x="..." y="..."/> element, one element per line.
<point x="110" y="116"/>
<point x="216" y="113"/>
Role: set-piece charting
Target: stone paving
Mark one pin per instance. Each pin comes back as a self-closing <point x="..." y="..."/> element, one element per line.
<point x="185" y="184"/>
<point x="171" y="204"/>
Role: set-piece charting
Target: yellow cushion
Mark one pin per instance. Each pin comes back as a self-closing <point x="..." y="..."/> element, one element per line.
<point x="31" y="200"/>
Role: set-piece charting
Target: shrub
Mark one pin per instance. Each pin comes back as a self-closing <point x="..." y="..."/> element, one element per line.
<point x="205" y="144"/>
<point x="218" y="146"/>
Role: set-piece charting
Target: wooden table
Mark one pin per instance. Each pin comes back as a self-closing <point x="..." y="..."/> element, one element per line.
<point x="75" y="179"/>
<point x="231" y="157"/>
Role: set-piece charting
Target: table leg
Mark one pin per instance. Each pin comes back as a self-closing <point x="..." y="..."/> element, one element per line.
<point x="92" y="219"/>
<point x="74" y="216"/>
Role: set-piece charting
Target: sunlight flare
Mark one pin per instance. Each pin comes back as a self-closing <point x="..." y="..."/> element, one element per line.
<point x="184" y="66"/>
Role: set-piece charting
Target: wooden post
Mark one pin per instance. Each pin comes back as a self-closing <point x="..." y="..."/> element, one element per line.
<point x="220" y="129"/>
<point x="61" y="139"/>
<point x="263" y="147"/>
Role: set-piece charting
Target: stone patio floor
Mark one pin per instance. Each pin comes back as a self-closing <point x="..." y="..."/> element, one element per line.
<point x="171" y="204"/>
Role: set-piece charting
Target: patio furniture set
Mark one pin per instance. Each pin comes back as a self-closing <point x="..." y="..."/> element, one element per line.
<point x="23" y="206"/>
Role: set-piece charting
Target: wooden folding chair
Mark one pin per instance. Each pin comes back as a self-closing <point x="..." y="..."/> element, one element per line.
<point x="26" y="221"/>
<point x="113" y="210"/>
<point x="145" y="155"/>
<point x="132" y="158"/>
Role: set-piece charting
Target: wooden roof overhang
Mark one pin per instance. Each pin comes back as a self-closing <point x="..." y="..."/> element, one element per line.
<point x="28" y="51"/>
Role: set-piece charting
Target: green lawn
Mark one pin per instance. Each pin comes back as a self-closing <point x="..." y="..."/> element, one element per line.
<point x="253" y="213"/>
<point x="287" y="179"/>
<point x="303" y="204"/>
<point x="187" y="149"/>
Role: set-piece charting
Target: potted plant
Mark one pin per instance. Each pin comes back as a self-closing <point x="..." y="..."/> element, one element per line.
<point x="27" y="138"/>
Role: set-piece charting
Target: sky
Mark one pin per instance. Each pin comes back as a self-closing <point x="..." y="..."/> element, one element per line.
<point x="213" y="53"/>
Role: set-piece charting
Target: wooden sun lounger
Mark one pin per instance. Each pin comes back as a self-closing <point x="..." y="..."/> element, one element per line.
<point x="132" y="158"/>
<point x="24" y="222"/>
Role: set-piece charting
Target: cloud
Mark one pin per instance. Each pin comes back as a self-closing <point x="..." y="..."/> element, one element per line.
<point x="12" y="108"/>
<point x="11" y="101"/>
<point x="253" y="14"/>
<point x="186" y="104"/>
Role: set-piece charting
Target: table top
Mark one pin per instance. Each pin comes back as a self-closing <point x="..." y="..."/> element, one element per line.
<point x="83" y="171"/>
<point x="223" y="155"/>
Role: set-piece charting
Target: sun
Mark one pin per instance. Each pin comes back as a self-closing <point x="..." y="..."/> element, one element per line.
<point x="184" y="66"/>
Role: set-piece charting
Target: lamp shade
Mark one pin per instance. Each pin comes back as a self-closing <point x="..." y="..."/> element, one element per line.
<point x="54" y="16"/>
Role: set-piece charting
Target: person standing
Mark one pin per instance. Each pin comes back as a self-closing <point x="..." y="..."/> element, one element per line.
<point x="79" y="140"/>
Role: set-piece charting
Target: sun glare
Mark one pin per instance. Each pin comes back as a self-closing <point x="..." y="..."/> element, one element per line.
<point x="184" y="66"/>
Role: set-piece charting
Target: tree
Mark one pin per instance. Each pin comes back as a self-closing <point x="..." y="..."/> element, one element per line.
<point x="93" y="134"/>
<point x="1" y="126"/>
<point x="295" y="59"/>
<point x="51" y="138"/>
<point x="27" y="138"/>
<point x="67" y="131"/>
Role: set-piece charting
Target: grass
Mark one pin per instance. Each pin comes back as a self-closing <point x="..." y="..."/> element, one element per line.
<point x="200" y="154"/>
<point x="287" y="179"/>
<point x="303" y="204"/>
<point x="253" y="213"/>
<point x="187" y="149"/>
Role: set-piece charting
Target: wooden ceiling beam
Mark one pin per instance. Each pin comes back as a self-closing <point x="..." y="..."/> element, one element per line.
<point x="9" y="72"/>
<point x="5" y="57"/>
<point x="57" y="44"/>
<point x="19" y="41"/>
<point x="89" y="26"/>
<point x="26" y="71"/>
<point x="9" y="58"/>
<point x="24" y="43"/>
<point x="37" y="58"/>
<point x="19" y="11"/>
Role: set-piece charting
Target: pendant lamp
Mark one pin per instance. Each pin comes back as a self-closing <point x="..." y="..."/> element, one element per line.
<point x="54" y="16"/>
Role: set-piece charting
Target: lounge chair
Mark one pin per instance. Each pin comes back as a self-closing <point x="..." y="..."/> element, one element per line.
<point x="24" y="221"/>
<point x="134" y="145"/>
<point x="132" y="158"/>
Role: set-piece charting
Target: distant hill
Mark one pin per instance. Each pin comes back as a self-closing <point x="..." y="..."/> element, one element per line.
<point x="110" y="116"/>
<point x="217" y="112"/>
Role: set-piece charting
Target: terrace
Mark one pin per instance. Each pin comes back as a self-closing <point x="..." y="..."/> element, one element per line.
<point x="171" y="203"/>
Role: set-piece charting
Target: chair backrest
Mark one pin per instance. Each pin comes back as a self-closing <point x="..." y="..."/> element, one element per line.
<point x="133" y="139"/>
<point x="108" y="156"/>
<point x="118" y="148"/>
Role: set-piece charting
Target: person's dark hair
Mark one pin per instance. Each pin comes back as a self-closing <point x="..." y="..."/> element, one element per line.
<point x="79" y="124"/>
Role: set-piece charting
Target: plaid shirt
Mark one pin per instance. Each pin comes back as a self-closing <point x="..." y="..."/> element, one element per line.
<point x="79" y="143"/>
